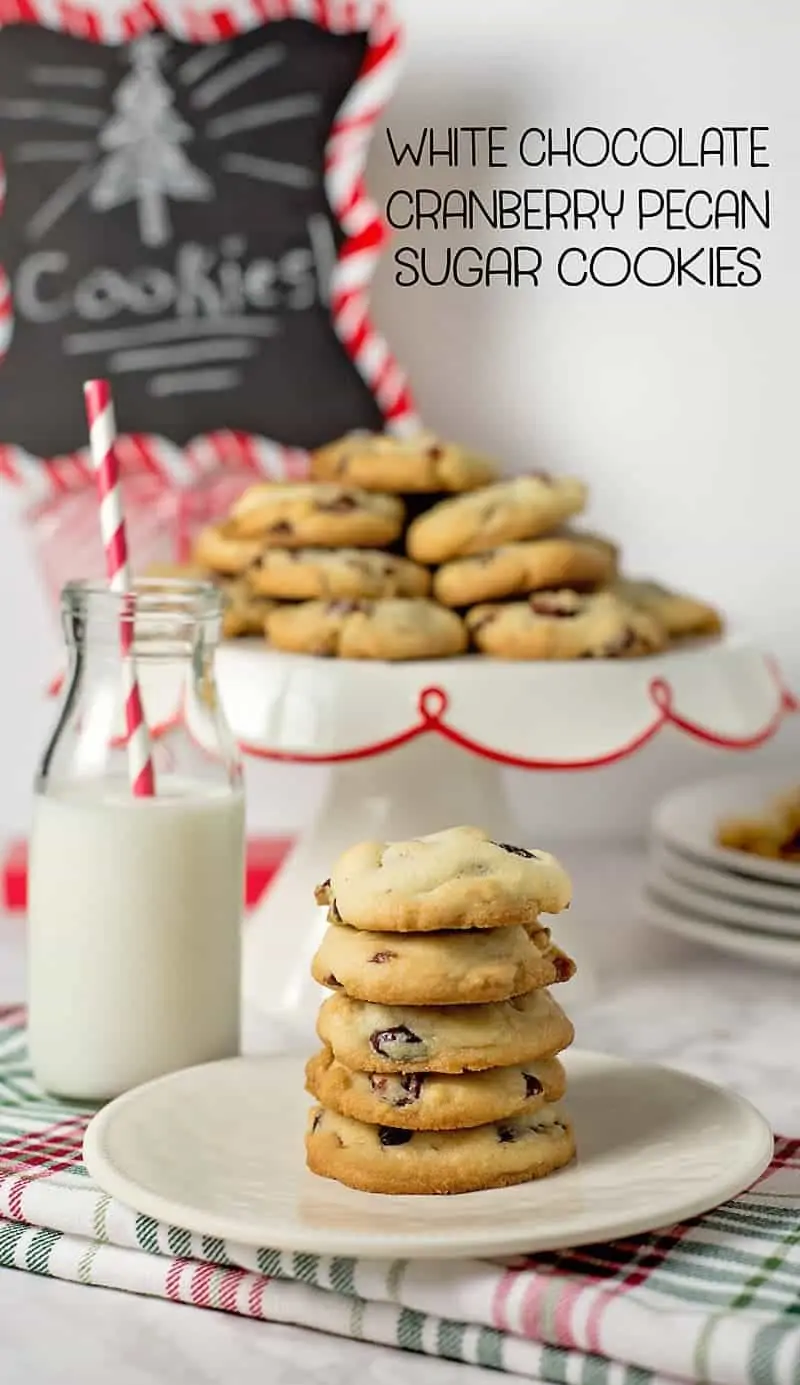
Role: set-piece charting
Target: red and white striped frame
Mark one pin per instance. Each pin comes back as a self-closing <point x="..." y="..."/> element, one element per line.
<point x="363" y="227"/>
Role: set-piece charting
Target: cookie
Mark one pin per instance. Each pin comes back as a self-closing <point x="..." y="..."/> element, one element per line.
<point x="774" y="834"/>
<point x="391" y="629"/>
<point x="522" y="508"/>
<point x="516" y="569"/>
<point x="458" y="878"/>
<point x="310" y="515"/>
<point x="565" y="625"/>
<point x="243" y="613"/>
<point x="383" y="1159"/>
<point x="434" y="1101"/>
<point x="382" y="462"/>
<point x="220" y="548"/>
<point x="465" y="967"/>
<point x="304" y="574"/>
<point x="682" y="616"/>
<point x="454" y="1038"/>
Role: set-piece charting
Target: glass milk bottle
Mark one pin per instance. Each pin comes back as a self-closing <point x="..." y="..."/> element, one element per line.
<point x="135" y="903"/>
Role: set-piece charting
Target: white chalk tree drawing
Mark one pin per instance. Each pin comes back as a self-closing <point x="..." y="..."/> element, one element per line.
<point x="145" y="162"/>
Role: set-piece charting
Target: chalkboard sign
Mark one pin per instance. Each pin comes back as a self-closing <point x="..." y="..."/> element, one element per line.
<point x="168" y="224"/>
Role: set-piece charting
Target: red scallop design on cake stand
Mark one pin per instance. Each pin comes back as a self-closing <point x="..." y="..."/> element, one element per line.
<point x="415" y="747"/>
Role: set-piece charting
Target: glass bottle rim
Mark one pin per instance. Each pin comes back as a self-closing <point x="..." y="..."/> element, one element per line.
<point x="190" y="599"/>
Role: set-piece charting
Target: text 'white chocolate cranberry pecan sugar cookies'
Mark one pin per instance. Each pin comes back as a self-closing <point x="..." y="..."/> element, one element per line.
<point x="438" y="1072"/>
<point x="414" y="465"/>
<point x="522" y="508"/>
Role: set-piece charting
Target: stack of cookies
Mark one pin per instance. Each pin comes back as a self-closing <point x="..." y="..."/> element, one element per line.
<point x="411" y="548"/>
<point x="439" y="1071"/>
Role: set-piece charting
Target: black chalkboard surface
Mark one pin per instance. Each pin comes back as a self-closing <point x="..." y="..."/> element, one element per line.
<point x="166" y="225"/>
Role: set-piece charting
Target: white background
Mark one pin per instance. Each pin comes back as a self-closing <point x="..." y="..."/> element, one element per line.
<point x="680" y="407"/>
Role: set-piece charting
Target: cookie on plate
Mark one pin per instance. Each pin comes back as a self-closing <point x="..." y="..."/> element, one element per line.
<point x="311" y="515"/>
<point x="220" y="548"/>
<point x="364" y="629"/>
<point x="522" y="508"/>
<point x="383" y="1159"/>
<point x="774" y="834"/>
<point x="565" y="625"/>
<point x="434" y="1101"/>
<point x="306" y="574"/>
<point x="464" y="967"/>
<point x="382" y="462"/>
<point x="243" y="613"/>
<point x="458" y="878"/>
<point x="453" y="1038"/>
<point x="516" y="569"/>
<point x="683" y="617"/>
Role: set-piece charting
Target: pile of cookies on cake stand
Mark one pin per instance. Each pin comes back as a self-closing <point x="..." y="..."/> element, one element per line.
<point x="439" y="1071"/>
<point x="413" y="548"/>
<point x="397" y="554"/>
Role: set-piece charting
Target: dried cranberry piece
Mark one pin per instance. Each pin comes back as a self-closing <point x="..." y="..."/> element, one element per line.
<point x="402" y="1037"/>
<point x="564" y="968"/>
<point x="343" y="608"/>
<point x="399" y="1091"/>
<point x="507" y="1134"/>
<point x="388" y="1136"/>
<point x="517" y="850"/>
<point x="533" y="1086"/>
<point x="544" y="605"/>
<point x="383" y="957"/>
<point x="333" y="981"/>
<point x="340" y="505"/>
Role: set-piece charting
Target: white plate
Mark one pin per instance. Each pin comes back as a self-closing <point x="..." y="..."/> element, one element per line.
<point x="728" y="912"/>
<point x="759" y="946"/>
<point x="687" y="820"/>
<point x="219" y="1150"/>
<point x="723" y="883"/>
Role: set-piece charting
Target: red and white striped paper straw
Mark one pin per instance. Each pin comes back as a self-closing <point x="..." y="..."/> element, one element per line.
<point x="102" y="436"/>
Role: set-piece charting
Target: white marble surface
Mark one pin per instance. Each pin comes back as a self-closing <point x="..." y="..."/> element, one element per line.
<point x="640" y="993"/>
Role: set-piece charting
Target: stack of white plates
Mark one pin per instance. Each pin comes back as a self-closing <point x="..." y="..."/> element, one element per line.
<point x="727" y="899"/>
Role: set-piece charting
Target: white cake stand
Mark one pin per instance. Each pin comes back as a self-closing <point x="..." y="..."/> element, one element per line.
<point x="420" y="746"/>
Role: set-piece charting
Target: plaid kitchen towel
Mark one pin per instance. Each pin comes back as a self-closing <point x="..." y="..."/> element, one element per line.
<point x="715" y="1300"/>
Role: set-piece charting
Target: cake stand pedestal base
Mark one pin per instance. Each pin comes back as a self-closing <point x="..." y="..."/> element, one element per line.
<point x="414" y="748"/>
<point x="407" y="793"/>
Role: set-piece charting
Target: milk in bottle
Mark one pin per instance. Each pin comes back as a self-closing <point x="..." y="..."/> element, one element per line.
<point x="135" y="903"/>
